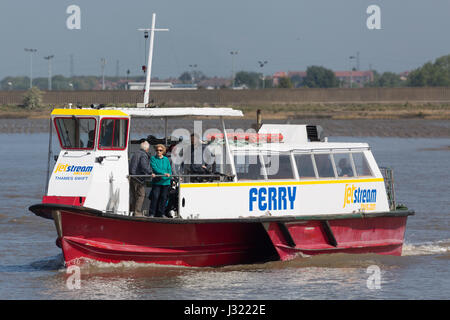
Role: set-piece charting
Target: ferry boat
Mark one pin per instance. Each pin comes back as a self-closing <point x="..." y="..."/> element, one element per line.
<point x="274" y="194"/>
<point x="268" y="200"/>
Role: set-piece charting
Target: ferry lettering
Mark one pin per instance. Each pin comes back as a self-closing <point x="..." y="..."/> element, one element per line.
<point x="358" y="195"/>
<point x="282" y="202"/>
<point x="67" y="168"/>
<point x="252" y="198"/>
<point x="292" y="196"/>
<point x="272" y="198"/>
<point x="262" y="198"/>
<point x="61" y="167"/>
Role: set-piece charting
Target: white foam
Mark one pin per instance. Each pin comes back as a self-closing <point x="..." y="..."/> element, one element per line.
<point x="426" y="248"/>
<point x="87" y="264"/>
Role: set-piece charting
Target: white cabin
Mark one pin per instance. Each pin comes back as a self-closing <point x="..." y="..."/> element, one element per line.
<point x="302" y="174"/>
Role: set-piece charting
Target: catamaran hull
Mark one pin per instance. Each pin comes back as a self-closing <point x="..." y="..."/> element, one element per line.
<point x="87" y="234"/>
<point x="381" y="235"/>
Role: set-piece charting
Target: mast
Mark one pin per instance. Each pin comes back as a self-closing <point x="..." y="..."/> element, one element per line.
<point x="150" y="58"/>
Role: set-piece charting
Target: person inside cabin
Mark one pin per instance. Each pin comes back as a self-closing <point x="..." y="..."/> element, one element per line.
<point x="345" y="168"/>
<point x="91" y="135"/>
<point x="162" y="171"/>
<point x="139" y="165"/>
<point x="197" y="165"/>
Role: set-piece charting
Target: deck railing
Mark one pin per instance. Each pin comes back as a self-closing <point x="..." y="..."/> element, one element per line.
<point x="188" y="177"/>
<point x="388" y="175"/>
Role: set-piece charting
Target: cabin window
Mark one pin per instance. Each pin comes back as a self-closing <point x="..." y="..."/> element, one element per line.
<point x="343" y="163"/>
<point x="361" y="164"/>
<point x="278" y="166"/>
<point x="324" y="165"/>
<point x="113" y="134"/>
<point x="305" y="166"/>
<point x="76" y="133"/>
<point x="249" y="167"/>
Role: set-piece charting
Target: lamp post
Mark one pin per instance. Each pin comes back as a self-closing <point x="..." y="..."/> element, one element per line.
<point x="262" y="64"/>
<point x="103" y="63"/>
<point x="233" y="53"/>
<point x="49" y="59"/>
<point x="128" y="76"/>
<point x="31" y="51"/>
<point x="351" y="71"/>
<point x="192" y="66"/>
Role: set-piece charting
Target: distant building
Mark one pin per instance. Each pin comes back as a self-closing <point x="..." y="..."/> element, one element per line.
<point x="276" y="77"/>
<point x="358" y="78"/>
<point x="404" y="75"/>
<point x="215" y="83"/>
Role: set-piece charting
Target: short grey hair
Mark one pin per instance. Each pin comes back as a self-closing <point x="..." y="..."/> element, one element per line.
<point x="145" y="145"/>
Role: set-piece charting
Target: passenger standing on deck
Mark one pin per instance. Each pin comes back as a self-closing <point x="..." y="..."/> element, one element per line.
<point x="139" y="165"/>
<point x="160" y="185"/>
<point x="197" y="165"/>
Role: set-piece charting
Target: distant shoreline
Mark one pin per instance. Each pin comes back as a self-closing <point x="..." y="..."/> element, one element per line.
<point x="347" y="111"/>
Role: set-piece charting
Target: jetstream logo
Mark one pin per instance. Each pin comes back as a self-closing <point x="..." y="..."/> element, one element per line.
<point x="280" y="198"/>
<point x="359" y="195"/>
<point x="78" y="170"/>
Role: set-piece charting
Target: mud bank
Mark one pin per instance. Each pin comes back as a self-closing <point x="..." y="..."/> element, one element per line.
<point x="332" y="127"/>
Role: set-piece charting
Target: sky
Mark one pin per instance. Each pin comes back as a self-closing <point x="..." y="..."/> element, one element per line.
<point x="289" y="34"/>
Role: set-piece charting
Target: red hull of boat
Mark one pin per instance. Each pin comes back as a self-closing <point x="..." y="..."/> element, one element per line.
<point x="381" y="235"/>
<point x="86" y="235"/>
<point x="187" y="244"/>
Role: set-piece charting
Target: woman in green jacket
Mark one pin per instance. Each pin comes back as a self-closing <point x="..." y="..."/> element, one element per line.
<point x="160" y="185"/>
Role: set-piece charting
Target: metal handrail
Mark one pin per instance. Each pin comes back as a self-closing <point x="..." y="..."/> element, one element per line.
<point x="388" y="175"/>
<point x="195" y="176"/>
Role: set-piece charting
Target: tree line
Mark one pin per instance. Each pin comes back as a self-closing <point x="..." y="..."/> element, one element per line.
<point x="431" y="74"/>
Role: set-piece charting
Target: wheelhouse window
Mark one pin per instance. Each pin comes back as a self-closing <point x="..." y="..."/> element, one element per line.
<point x="361" y="164"/>
<point x="343" y="163"/>
<point x="305" y="166"/>
<point x="76" y="133"/>
<point x="249" y="167"/>
<point x="324" y="165"/>
<point x="278" y="166"/>
<point x="113" y="133"/>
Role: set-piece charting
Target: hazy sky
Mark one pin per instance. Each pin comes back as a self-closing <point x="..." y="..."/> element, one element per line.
<point x="289" y="34"/>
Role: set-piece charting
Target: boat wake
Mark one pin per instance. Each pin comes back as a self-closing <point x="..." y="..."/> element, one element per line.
<point x="440" y="247"/>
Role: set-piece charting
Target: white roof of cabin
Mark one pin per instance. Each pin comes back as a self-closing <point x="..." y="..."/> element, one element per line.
<point x="182" y="112"/>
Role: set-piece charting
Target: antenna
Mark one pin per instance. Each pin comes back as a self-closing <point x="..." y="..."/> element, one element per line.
<point x="150" y="58"/>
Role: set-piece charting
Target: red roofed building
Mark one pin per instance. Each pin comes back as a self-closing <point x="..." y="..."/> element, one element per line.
<point x="277" y="76"/>
<point x="358" y="78"/>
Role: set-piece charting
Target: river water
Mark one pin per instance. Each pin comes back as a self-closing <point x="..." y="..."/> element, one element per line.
<point x="31" y="265"/>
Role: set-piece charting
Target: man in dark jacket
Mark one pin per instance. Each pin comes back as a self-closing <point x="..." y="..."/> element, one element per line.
<point x="139" y="165"/>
